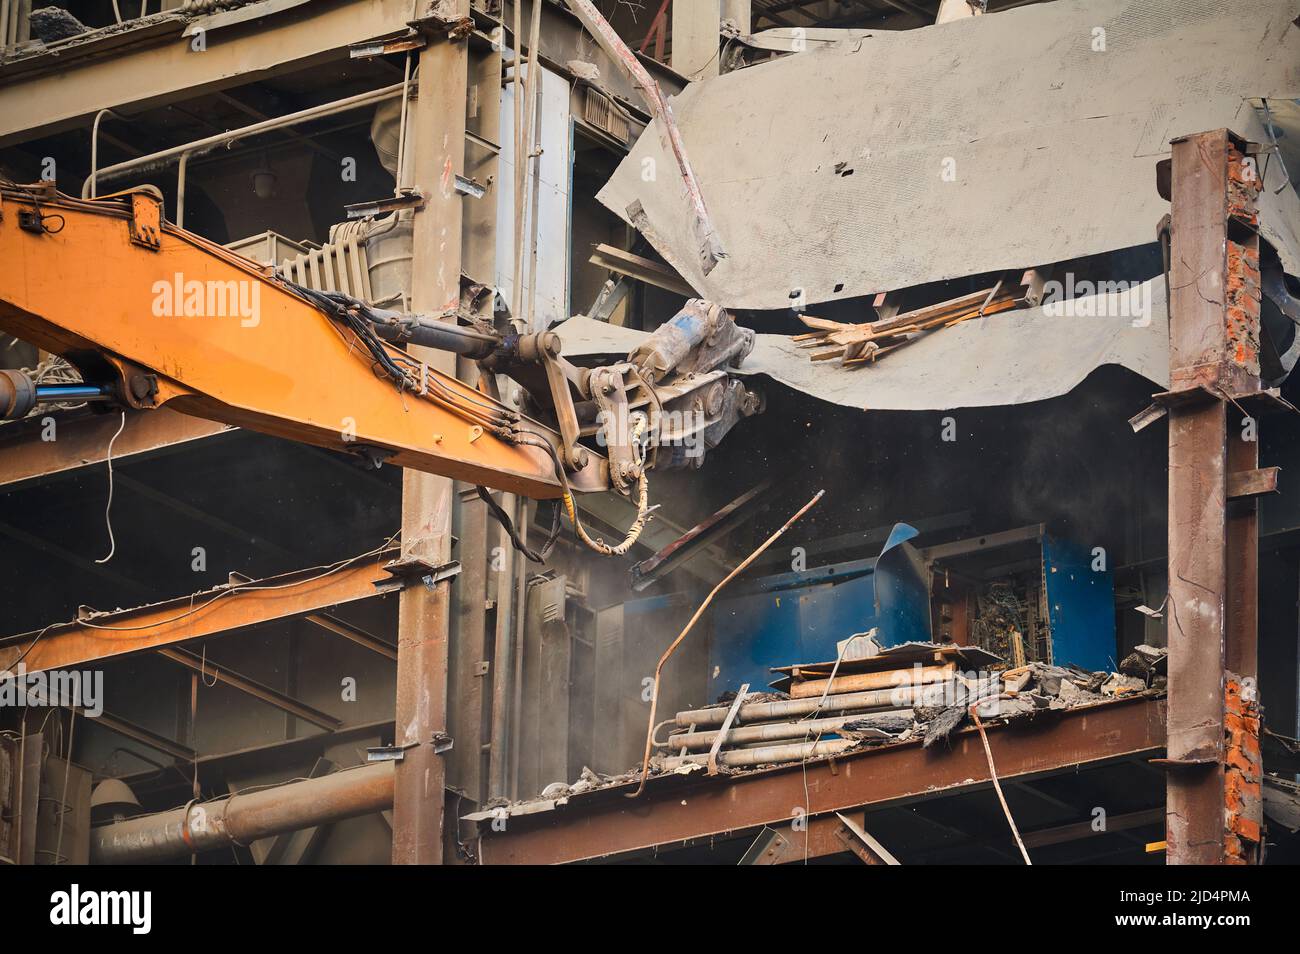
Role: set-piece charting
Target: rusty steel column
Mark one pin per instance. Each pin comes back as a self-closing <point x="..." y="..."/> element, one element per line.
<point x="1213" y="358"/>
<point x="437" y="121"/>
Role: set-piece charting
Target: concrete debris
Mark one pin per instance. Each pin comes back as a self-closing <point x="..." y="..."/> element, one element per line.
<point x="1070" y="694"/>
<point x="583" y="70"/>
<point x="1282" y="802"/>
<point x="851" y="199"/>
<point x="942" y="722"/>
<point x="53" y="23"/>
<point x="1120" y="685"/>
<point x="1147" y="663"/>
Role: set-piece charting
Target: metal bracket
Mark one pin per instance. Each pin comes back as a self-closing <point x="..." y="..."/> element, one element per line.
<point x="1265" y="399"/>
<point x="440" y="741"/>
<point x="405" y="199"/>
<point x="454" y="28"/>
<point x="145" y="226"/>
<point x="767" y="849"/>
<point x="1176" y="764"/>
<point x="371" y="457"/>
<point x="415" y="568"/>
<point x="30" y="220"/>
<point x="470" y="187"/>
<point x="1253" y="483"/>
<point x="388" y="753"/>
<point x="401" y="43"/>
<point x="859" y="841"/>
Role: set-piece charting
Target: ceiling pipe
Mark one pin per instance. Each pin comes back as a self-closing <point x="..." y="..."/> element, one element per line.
<point x="240" y="819"/>
<point x="91" y="185"/>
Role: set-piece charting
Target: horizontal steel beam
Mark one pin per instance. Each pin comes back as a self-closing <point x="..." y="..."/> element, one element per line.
<point x="677" y="809"/>
<point x="36" y="103"/>
<point x="140" y="734"/>
<point x="642" y="269"/>
<point x="245" y="603"/>
<point x="1061" y="834"/>
<point x="217" y="673"/>
<point x="348" y="631"/>
<point x="27" y="455"/>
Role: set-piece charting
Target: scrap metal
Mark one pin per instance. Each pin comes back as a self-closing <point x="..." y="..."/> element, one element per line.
<point x="709" y="250"/>
<point x="677" y="808"/>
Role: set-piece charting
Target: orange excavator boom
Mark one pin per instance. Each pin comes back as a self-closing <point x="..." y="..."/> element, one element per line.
<point x="154" y="315"/>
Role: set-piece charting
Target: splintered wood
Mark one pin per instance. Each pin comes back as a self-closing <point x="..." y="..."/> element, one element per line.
<point x="857" y="344"/>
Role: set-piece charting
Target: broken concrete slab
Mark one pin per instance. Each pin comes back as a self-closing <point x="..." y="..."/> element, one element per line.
<point x="1035" y="142"/>
<point x="1013" y="358"/>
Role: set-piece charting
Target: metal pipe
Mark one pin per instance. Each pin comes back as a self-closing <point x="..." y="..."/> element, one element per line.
<point x="770" y="732"/>
<point x="792" y="708"/>
<point x="535" y="157"/>
<point x="710" y="245"/>
<point x="502" y="663"/>
<point x="432" y="333"/>
<point x="516" y="199"/>
<point x="180" y="188"/>
<point x="240" y="819"/>
<point x="518" y="622"/>
<point x="94" y="153"/>
<point x="766" y="755"/>
<point x="278" y="122"/>
<point x="55" y="393"/>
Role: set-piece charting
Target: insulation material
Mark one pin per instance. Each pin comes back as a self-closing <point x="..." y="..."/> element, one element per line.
<point x="1006" y="141"/>
<point x="1011" y="358"/>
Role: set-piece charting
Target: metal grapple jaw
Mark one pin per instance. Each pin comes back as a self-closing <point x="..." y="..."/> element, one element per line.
<point x="671" y="401"/>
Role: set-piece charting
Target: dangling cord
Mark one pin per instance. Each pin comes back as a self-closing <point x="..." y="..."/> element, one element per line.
<point x="503" y="518"/>
<point x="672" y="647"/>
<point x="642" y="503"/>
<point x="643" y="492"/>
<point x="108" y="519"/>
<point x="633" y="532"/>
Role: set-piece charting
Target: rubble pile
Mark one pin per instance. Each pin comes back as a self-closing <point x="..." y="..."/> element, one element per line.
<point x="922" y="691"/>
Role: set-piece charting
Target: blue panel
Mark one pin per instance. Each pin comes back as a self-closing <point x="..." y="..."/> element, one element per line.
<point x="902" y="593"/>
<point x="755" y="631"/>
<point x="1081" y="606"/>
<point x="799" y="617"/>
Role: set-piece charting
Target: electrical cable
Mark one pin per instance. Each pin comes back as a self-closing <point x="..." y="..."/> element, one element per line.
<point x="993" y="773"/>
<point x="643" y="495"/>
<point x="108" y="507"/>
<point x="67" y="777"/>
<point x="357" y="316"/>
<point x="654" y="692"/>
<point x="329" y="568"/>
<point x="503" y="518"/>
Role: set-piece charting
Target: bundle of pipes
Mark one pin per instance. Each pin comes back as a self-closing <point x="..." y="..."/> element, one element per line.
<point x="749" y="733"/>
